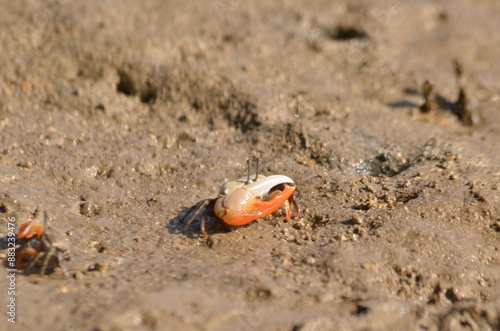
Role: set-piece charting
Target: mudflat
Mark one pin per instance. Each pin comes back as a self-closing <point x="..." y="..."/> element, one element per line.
<point x="116" y="117"/>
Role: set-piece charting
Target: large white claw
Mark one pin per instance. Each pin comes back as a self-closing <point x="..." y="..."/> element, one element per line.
<point x="261" y="187"/>
<point x="231" y="185"/>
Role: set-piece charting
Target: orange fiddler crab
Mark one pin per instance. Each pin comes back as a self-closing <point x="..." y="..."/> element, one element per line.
<point x="40" y="245"/>
<point x="246" y="199"/>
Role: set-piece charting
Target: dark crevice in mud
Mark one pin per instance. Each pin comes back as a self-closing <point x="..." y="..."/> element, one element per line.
<point x="405" y="197"/>
<point x="360" y="310"/>
<point x="8" y="204"/>
<point x="297" y="136"/>
<point x="149" y="94"/>
<point x="125" y="84"/>
<point x="240" y="112"/>
<point x="344" y="32"/>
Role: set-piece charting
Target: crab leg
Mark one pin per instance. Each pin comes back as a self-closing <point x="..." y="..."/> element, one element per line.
<point x="294" y="202"/>
<point x="195" y="211"/>
<point x="46" y="261"/>
<point x="39" y="256"/>
<point x="288" y="210"/>
<point x="62" y="264"/>
<point x="203" y="222"/>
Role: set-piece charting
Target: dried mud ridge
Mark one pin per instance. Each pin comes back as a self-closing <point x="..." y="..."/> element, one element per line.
<point x="213" y="98"/>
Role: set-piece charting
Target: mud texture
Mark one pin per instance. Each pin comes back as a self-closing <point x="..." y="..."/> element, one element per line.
<point x="118" y="116"/>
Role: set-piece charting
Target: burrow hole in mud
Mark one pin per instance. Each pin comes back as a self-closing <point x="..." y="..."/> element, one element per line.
<point x="342" y="32"/>
<point x="149" y="95"/>
<point x="384" y="164"/>
<point x="360" y="310"/>
<point x="3" y="209"/>
<point x="127" y="86"/>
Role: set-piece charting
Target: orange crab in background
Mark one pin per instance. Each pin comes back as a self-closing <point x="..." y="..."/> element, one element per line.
<point x="40" y="245"/>
<point x="246" y="199"/>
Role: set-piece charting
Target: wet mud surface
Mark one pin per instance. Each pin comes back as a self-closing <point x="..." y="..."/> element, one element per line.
<point x="116" y="117"/>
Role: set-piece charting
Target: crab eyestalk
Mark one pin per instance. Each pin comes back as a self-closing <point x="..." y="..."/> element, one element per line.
<point x="249" y="170"/>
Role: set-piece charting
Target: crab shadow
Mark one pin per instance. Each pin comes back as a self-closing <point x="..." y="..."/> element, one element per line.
<point x="440" y="102"/>
<point x="4" y="242"/>
<point x="4" y="245"/>
<point x="177" y="225"/>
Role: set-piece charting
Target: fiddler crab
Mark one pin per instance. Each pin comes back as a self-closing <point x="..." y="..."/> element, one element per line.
<point x="40" y="246"/>
<point x="246" y="199"/>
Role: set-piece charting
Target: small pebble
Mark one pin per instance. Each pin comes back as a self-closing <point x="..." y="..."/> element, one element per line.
<point x="356" y="219"/>
<point x="89" y="209"/>
<point x="25" y="164"/>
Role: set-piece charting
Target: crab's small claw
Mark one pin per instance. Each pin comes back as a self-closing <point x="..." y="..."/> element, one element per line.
<point x="22" y="253"/>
